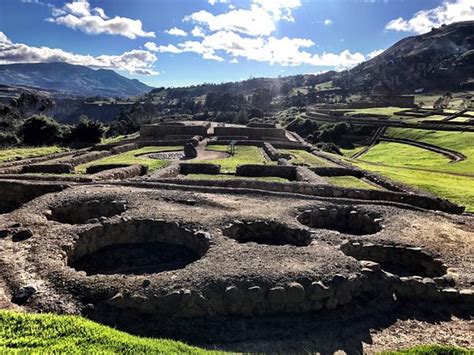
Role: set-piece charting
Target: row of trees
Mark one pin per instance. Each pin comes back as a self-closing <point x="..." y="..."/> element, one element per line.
<point x="39" y="130"/>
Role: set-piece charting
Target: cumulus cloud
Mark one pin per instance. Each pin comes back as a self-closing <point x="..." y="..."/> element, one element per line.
<point x="80" y="16"/>
<point x="423" y="21"/>
<point x="258" y="20"/>
<point x="283" y="51"/>
<point x="175" y="31"/>
<point x="134" y="61"/>
<point x="328" y="22"/>
<point x="213" y="2"/>
<point x="198" y="32"/>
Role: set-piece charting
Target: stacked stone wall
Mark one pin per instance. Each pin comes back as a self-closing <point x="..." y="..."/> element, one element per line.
<point x="256" y="170"/>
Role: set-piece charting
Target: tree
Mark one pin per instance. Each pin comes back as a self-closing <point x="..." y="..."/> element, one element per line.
<point x="40" y="130"/>
<point x="86" y="131"/>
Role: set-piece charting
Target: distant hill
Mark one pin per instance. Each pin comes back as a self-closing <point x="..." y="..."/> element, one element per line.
<point x="442" y="59"/>
<point x="72" y="79"/>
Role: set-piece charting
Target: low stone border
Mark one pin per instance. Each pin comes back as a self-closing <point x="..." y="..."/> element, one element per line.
<point x="199" y="168"/>
<point x="256" y="170"/>
<point x="123" y="148"/>
<point x="58" y="168"/>
<point x="273" y="153"/>
<point x="121" y="173"/>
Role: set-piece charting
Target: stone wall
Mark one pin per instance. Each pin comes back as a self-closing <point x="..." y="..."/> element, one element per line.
<point x="58" y="168"/>
<point x="85" y="158"/>
<point x="151" y="132"/>
<point x="256" y="170"/>
<point x="123" y="148"/>
<point x="416" y="200"/>
<point x="273" y="153"/>
<point x="15" y="193"/>
<point x="252" y="133"/>
<point x="94" y="169"/>
<point x="199" y="168"/>
<point x="121" y="173"/>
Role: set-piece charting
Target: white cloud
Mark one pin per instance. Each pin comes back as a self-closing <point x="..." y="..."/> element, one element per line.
<point x="258" y="20"/>
<point x="213" y="2"/>
<point x="283" y="51"/>
<point x="198" y="32"/>
<point x="375" y="53"/>
<point x="134" y="61"/>
<point x="328" y="22"/>
<point x="234" y="61"/>
<point x="175" y="31"/>
<point x="423" y="21"/>
<point x="79" y="16"/>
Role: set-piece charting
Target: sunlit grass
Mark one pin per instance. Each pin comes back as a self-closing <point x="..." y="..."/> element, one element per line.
<point x="25" y="153"/>
<point x="351" y="182"/>
<point x="243" y="155"/>
<point x="47" y="333"/>
<point x="133" y="157"/>
<point x="299" y="157"/>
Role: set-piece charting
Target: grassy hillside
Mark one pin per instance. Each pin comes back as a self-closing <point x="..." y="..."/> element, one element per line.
<point x="424" y="169"/>
<point x="46" y="333"/>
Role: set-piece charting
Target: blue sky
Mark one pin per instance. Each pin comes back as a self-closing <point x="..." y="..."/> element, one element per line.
<point x="184" y="42"/>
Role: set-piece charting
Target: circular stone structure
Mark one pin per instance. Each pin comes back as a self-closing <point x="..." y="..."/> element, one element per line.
<point x="150" y="260"/>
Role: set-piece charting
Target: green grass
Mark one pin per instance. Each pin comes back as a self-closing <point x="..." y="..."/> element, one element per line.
<point x="47" y="333"/>
<point x="132" y="157"/>
<point x="243" y="155"/>
<point x="351" y="182"/>
<point x="404" y="155"/>
<point x="462" y="142"/>
<point x="25" y="153"/>
<point x="384" y="111"/>
<point x="299" y="157"/>
<point x="233" y="177"/>
<point x="459" y="189"/>
<point x="431" y="350"/>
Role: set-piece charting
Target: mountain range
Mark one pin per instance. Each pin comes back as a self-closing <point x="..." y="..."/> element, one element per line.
<point x="71" y="79"/>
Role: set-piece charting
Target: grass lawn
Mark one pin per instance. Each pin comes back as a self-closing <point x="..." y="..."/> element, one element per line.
<point x="233" y="177"/>
<point x="132" y="157"/>
<point x="350" y="182"/>
<point x="351" y="152"/>
<point x="243" y="155"/>
<point x="405" y="155"/>
<point x="24" y="153"/>
<point x="299" y="157"/>
<point x="459" y="189"/>
<point x="46" y="333"/>
<point x="384" y="111"/>
<point x="431" y="350"/>
<point x="462" y="142"/>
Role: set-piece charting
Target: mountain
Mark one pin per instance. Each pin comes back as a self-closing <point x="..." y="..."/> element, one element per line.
<point x="72" y="79"/>
<point x="442" y="59"/>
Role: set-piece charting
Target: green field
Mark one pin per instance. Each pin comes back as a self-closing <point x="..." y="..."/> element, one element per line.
<point x="300" y="157"/>
<point x="233" y="177"/>
<point x="46" y="333"/>
<point x="25" y="153"/>
<point x="383" y="111"/>
<point x="431" y="350"/>
<point x="424" y="169"/>
<point x="133" y="157"/>
<point x="350" y="182"/>
<point x="243" y="155"/>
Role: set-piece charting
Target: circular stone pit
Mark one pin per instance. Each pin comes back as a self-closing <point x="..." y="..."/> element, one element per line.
<point x="88" y="211"/>
<point x="173" y="155"/>
<point x="267" y="232"/>
<point x="342" y="218"/>
<point x="137" y="247"/>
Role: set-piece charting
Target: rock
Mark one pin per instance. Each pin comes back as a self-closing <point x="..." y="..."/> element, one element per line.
<point x="276" y="295"/>
<point x="318" y="291"/>
<point x="295" y="293"/>
<point x="22" y="295"/>
<point x="21" y="235"/>
<point x="190" y="151"/>
<point x="370" y="265"/>
<point x="255" y="294"/>
<point x="92" y="221"/>
<point x="146" y="283"/>
<point x="4" y="233"/>
<point x="331" y="303"/>
<point x="232" y="295"/>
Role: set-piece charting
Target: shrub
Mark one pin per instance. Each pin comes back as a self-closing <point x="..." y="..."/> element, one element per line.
<point x="86" y="131"/>
<point x="40" y="130"/>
